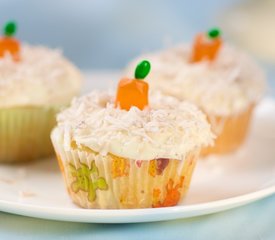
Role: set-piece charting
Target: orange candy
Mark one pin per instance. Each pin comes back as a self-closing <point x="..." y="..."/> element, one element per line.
<point x="10" y="45"/>
<point x="132" y="92"/>
<point x="205" y="49"/>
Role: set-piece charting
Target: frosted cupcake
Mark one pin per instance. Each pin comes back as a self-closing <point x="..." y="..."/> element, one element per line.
<point x="221" y="80"/>
<point x="34" y="83"/>
<point x="128" y="151"/>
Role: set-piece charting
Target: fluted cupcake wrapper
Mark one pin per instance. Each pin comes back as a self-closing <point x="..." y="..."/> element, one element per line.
<point x="25" y="133"/>
<point x="111" y="182"/>
<point x="231" y="132"/>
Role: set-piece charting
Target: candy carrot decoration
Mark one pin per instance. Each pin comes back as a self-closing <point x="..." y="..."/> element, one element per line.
<point x="8" y="44"/>
<point x="206" y="47"/>
<point x="134" y="92"/>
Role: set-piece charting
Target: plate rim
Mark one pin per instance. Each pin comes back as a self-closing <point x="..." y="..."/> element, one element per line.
<point x="126" y="215"/>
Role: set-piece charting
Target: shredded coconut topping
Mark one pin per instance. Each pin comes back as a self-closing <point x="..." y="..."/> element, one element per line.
<point x="167" y="129"/>
<point x="223" y="87"/>
<point x="42" y="76"/>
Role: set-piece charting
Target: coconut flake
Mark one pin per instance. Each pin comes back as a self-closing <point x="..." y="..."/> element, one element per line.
<point x="42" y="76"/>
<point x="223" y="87"/>
<point x="168" y="128"/>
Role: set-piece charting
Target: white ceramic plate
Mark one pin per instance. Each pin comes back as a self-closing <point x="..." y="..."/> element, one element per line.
<point x="219" y="183"/>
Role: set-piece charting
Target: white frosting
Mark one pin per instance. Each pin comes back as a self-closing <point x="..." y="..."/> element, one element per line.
<point x="42" y="76"/>
<point x="223" y="87"/>
<point x="168" y="129"/>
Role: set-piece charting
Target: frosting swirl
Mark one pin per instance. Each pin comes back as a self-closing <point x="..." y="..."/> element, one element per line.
<point x="42" y="76"/>
<point x="168" y="129"/>
<point x="223" y="87"/>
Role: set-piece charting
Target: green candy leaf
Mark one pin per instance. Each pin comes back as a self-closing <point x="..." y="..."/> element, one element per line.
<point x="142" y="69"/>
<point x="214" y="33"/>
<point x="10" y="29"/>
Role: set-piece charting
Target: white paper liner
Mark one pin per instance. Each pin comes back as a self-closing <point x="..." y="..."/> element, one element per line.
<point x="25" y="133"/>
<point x="231" y="132"/>
<point x="132" y="185"/>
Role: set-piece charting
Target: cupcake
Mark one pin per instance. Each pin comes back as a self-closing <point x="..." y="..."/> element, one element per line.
<point x="128" y="150"/>
<point x="35" y="82"/>
<point x="223" y="81"/>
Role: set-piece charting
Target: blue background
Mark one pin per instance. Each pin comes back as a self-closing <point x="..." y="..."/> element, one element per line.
<point x="107" y="34"/>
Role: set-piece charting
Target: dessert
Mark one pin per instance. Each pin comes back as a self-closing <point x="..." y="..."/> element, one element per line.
<point x="35" y="82"/>
<point x="223" y="81"/>
<point x="129" y="150"/>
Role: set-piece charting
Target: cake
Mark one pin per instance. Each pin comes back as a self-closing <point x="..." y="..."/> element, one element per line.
<point x="35" y="82"/>
<point x="130" y="149"/>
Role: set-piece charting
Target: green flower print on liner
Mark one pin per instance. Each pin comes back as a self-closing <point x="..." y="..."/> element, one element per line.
<point x="84" y="182"/>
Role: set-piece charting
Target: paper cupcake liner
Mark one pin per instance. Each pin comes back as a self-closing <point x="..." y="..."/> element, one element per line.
<point x="231" y="132"/>
<point x="112" y="182"/>
<point x="25" y="133"/>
